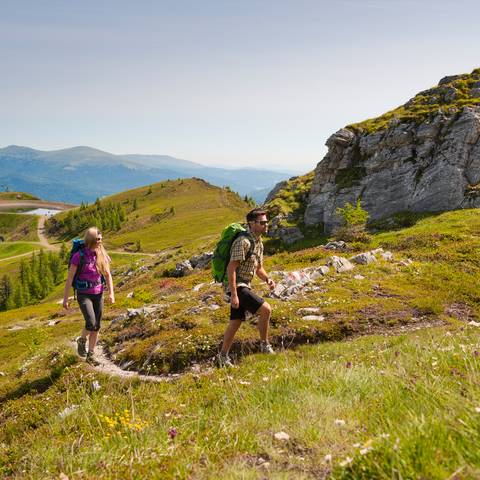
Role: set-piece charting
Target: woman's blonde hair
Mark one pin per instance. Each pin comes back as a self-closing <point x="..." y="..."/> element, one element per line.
<point x="103" y="260"/>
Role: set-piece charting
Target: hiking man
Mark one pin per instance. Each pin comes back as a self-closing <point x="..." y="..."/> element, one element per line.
<point x="243" y="265"/>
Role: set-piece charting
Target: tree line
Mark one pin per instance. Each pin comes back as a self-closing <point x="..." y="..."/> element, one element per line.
<point x="107" y="216"/>
<point x="36" y="279"/>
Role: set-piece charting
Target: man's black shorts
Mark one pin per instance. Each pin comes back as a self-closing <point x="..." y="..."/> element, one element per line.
<point x="248" y="302"/>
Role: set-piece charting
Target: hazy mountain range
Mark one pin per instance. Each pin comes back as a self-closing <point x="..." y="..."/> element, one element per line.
<point x="83" y="173"/>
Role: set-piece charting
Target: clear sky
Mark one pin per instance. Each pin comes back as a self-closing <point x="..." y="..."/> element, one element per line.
<point x="228" y="83"/>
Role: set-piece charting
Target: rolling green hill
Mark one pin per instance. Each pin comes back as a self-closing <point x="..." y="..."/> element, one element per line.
<point x="17" y="196"/>
<point x="184" y="213"/>
<point x="15" y="226"/>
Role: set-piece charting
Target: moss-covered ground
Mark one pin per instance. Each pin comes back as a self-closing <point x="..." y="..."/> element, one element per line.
<point x="449" y="97"/>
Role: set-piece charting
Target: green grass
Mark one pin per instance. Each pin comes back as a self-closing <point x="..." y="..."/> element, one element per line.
<point x="18" y="227"/>
<point x="200" y="211"/>
<point x="408" y="397"/>
<point x="10" y="249"/>
<point x="17" y="196"/>
<point x="409" y="400"/>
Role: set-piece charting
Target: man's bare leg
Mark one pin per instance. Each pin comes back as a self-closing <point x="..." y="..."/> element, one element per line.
<point x="230" y="332"/>
<point x="265" y="311"/>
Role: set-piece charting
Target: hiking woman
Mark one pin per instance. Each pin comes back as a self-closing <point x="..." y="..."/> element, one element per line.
<point x="89" y="284"/>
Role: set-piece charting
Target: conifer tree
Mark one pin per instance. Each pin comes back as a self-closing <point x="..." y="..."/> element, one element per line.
<point x="6" y="290"/>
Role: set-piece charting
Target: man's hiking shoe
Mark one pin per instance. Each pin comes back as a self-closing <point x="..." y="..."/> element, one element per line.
<point x="92" y="360"/>
<point x="81" y="346"/>
<point x="265" y="347"/>
<point x="222" y="360"/>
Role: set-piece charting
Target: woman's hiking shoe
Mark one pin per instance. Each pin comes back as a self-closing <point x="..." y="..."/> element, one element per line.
<point x="265" y="347"/>
<point x="92" y="360"/>
<point x="222" y="360"/>
<point x="81" y="346"/>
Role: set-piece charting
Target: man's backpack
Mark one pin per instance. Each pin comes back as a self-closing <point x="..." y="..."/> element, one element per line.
<point x="78" y="245"/>
<point x="221" y="254"/>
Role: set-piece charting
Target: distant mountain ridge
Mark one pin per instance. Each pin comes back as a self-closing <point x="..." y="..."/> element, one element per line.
<point x="81" y="174"/>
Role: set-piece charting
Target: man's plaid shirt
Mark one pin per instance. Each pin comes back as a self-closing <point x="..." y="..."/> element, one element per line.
<point x="247" y="268"/>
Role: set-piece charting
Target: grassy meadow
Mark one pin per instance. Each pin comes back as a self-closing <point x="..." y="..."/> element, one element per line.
<point x="18" y="227"/>
<point x="385" y="387"/>
<point x="177" y="213"/>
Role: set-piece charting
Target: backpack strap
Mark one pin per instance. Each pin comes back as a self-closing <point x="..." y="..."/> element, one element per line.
<point x="250" y="238"/>
<point x="77" y="273"/>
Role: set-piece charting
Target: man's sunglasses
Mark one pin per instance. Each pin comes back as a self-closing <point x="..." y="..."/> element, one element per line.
<point x="262" y="222"/>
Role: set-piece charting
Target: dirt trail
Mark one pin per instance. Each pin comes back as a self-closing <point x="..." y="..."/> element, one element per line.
<point x="41" y="235"/>
<point x="109" y="368"/>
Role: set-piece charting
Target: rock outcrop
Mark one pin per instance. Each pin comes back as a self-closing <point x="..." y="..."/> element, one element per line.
<point x="423" y="156"/>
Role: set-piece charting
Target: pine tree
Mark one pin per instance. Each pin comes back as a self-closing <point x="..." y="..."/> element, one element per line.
<point x="64" y="253"/>
<point x="18" y="297"/>
<point x="6" y="290"/>
<point x="55" y="265"/>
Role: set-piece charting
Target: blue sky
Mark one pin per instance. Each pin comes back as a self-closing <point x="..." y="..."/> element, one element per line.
<point x="227" y="83"/>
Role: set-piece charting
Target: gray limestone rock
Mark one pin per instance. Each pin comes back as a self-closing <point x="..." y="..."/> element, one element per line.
<point x="405" y="167"/>
<point x="340" y="264"/>
<point x="364" y="258"/>
<point x="183" y="268"/>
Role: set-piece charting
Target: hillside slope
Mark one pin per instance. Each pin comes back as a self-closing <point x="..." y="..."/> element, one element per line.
<point x="180" y="213"/>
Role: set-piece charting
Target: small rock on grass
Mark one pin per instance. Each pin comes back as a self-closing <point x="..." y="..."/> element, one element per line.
<point x="314" y="318"/>
<point x="282" y="436"/>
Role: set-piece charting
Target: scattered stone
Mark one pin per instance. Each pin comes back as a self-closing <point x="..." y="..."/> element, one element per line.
<point x="15" y="327"/>
<point x="119" y="318"/>
<point x="183" y="268"/>
<point x="474" y="324"/>
<point x="196" y="288"/>
<point x="146" y="310"/>
<point x="2" y="374"/>
<point x="214" y="306"/>
<point x="340" y="264"/>
<point x="387" y="256"/>
<point x="314" y="318"/>
<point x="364" y="258"/>
<point x="340" y="246"/>
<point x="377" y="251"/>
<point x="62" y="476"/>
<point x="52" y="323"/>
<point x="130" y="295"/>
<point x="316" y="272"/>
<point x="339" y="423"/>
<point x="282" y="437"/>
<point x="201" y="261"/>
<point x="359" y="277"/>
<point x="68" y="411"/>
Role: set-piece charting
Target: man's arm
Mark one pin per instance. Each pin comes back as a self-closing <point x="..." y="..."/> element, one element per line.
<point x="262" y="275"/>
<point x="232" y="282"/>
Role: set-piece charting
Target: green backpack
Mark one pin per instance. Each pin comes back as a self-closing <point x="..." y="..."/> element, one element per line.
<point x="221" y="254"/>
